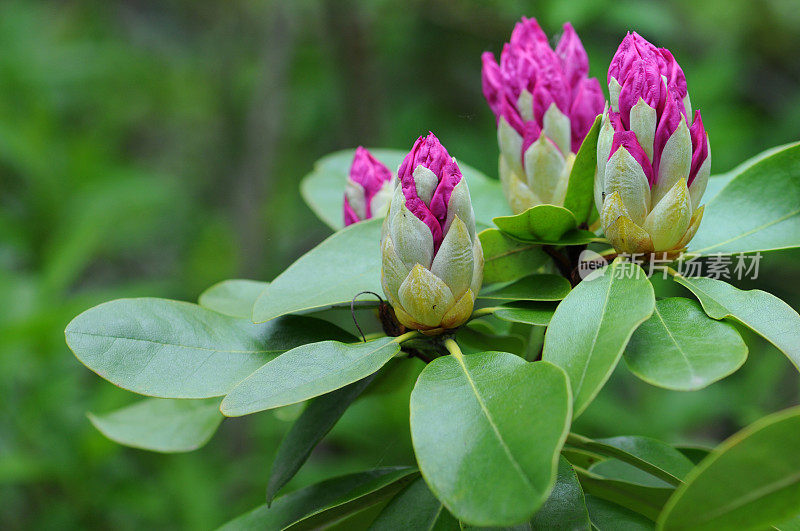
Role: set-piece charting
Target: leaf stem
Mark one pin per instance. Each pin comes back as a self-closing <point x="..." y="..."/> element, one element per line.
<point x="453" y="348"/>
<point x="579" y="441"/>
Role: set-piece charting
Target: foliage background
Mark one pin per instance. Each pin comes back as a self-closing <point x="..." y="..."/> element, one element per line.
<point x="155" y="147"/>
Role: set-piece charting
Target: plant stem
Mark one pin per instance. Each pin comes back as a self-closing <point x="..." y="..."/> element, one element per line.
<point x="483" y="312"/>
<point x="453" y="348"/>
<point x="374" y="335"/>
<point x="562" y="262"/>
<point x="579" y="441"/>
<point x="405" y="337"/>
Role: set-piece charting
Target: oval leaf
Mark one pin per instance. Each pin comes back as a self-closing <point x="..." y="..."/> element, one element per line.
<point x="323" y="188"/>
<point x="506" y="259"/>
<point x="533" y="313"/>
<point x="308" y="371"/>
<point x="592" y="325"/>
<point x="481" y="405"/>
<point x="326" y="502"/>
<point x="173" y="349"/>
<point x="750" y="481"/>
<point x="541" y="224"/>
<point x="530" y="288"/>
<point x="161" y="425"/>
<point x="760" y="311"/>
<point x="681" y="348"/>
<point x="330" y="274"/>
<point x="758" y="210"/>
<point x="233" y="297"/>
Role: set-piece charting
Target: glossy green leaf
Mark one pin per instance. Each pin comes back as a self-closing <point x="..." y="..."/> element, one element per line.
<point x="681" y="348"/>
<point x="750" y="481"/>
<point x="760" y="311"/>
<point x="531" y="288"/>
<point x="172" y="349"/>
<point x="792" y="524"/>
<point x="758" y="210"/>
<point x="415" y="507"/>
<point x="622" y="471"/>
<point x="326" y="502"/>
<point x="541" y="224"/>
<point x="695" y="454"/>
<point x="161" y="425"/>
<point x="580" y="190"/>
<point x="650" y="455"/>
<point x="533" y="313"/>
<point x="474" y="339"/>
<point x="482" y="405"/>
<point x="647" y="501"/>
<point x="592" y="325"/>
<point x="608" y="516"/>
<point x="314" y="423"/>
<point x="233" y="297"/>
<point x="330" y="274"/>
<point x="506" y="259"/>
<point x="306" y="372"/>
<point x="323" y="188"/>
<point x="566" y="507"/>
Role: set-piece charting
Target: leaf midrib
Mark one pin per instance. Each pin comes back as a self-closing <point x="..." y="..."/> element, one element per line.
<point x="164" y="343"/>
<point x="492" y="423"/>
<point x="675" y="341"/>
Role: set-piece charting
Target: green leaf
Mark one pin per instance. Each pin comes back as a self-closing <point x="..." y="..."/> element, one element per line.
<point x="647" y="501"/>
<point x="314" y="423"/>
<point x="233" y="297"/>
<point x="622" y="471"/>
<point x="539" y="224"/>
<point x="306" y="372"/>
<point x="750" y="481"/>
<point x="681" y="348"/>
<point x="486" y="445"/>
<point x="566" y="507"/>
<point x="533" y="313"/>
<point x="326" y="502"/>
<point x="415" y="507"/>
<point x="695" y="454"/>
<point x="580" y="190"/>
<point x="792" y="524"/>
<point x="758" y="210"/>
<point x="475" y="338"/>
<point x="717" y="182"/>
<point x="506" y="259"/>
<point x="323" y="188"/>
<point x="173" y="349"/>
<point x="592" y="325"/>
<point x="608" y="516"/>
<point x="161" y="425"/>
<point x="531" y="288"/>
<point x="760" y="311"/>
<point x="330" y="274"/>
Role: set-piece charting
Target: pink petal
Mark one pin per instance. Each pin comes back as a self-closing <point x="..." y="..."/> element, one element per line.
<point x="370" y="173"/>
<point x="643" y="81"/>
<point x="667" y="124"/>
<point x="627" y="140"/>
<point x="574" y="60"/>
<point x="589" y="102"/>
<point x="699" y="146"/>
<point x="492" y="82"/>
<point x="350" y="216"/>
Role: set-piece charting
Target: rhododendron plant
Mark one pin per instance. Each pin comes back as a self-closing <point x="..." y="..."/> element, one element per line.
<point x="508" y="329"/>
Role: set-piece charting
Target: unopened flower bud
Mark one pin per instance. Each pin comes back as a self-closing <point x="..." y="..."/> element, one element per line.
<point x="653" y="158"/>
<point x="432" y="265"/>
<point x="545" y="105"/>
<point x="368" y="190"/>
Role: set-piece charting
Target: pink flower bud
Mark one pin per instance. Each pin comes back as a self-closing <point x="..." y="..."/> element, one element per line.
<point x="367" y="179"/>
<point x="538" y="93"/>
<point x="426" y="199"/>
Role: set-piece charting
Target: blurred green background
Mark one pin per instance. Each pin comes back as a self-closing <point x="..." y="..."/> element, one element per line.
<point x="155" y="147"/>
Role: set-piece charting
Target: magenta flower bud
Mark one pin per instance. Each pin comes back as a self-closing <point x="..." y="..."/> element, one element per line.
<point x="653" y="160"/>
<point x="432" y="258"/>
<point x="368" y="190"/>
<point x="545" y="105"/>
